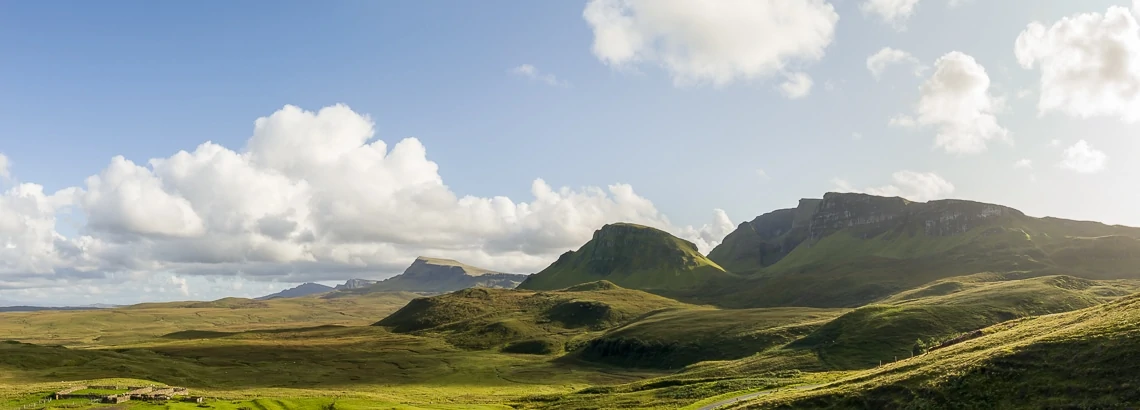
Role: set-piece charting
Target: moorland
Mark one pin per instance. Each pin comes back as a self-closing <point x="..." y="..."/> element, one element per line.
<point x="848" y="301"/>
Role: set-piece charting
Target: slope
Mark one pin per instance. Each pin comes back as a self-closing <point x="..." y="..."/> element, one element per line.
<point x="847" y="250"/>
<point x="631" y="256"/>
<point x="1079" y="359"/>
<point x="524" y="321"/>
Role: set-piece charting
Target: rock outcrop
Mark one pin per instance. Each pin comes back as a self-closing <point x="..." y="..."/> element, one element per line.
<point x="356" y="284"/>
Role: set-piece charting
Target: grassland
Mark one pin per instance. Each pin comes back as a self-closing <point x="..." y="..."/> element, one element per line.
<point x="594" y="345"/>
<point x="1080" y="359"/>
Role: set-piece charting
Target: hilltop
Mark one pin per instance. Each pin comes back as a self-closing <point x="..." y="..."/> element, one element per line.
<point x="434" y="275"/>
<point x="851" y="249"/>
<point x="524" y="321"/>
<point x="631" y="256"/>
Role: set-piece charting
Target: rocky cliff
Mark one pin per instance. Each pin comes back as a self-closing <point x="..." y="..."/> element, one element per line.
<point x="356" y="284"/>
<point x="631" y="256"/>
<point x="769" y="238"/>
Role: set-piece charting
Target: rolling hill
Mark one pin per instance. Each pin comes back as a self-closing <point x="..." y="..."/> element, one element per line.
<point x="631" y="256"/>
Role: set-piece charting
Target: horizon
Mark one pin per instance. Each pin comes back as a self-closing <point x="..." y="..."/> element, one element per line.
<point x="199" y="151"/>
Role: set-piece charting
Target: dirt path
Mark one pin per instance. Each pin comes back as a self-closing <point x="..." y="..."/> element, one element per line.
<point x="750" y="396"/>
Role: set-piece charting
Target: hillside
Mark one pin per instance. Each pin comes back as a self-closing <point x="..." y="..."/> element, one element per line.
<point x="304" y="289"/>
<point x="434" y="275"/>
<point x="1079" y="359"/>
<point x="524" y="321"/>
<point x="846" y="250"/>
<point x="631" y="256"/>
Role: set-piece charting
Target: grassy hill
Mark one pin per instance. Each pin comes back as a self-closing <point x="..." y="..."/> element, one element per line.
<point x="524" y="321"/>
<point x="631" y="256"/>
<point x="1080" y="359"/>
<point x="679" y="337"/>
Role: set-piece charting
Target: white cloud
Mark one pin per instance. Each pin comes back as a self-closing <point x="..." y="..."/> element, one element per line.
<point x="1054" y="142"/>
<point x="762" y="174"/>
<point x="313" y="196"/>
<point x="856" y="136"/>
<point x="915" y="186"/>
<point x="716" y="42"/>
<point x="532" y="72"/>
<point x="956" y="100"/>
<point x="1089" y="64"/>
<point x="1083" y="158"/>
<point x="4" y="167"/>
<point x="708" y="237"/>
<point x="893" y="12"/>
<point x="1024" y="163"/>
<point x="878" y="63"/>
<point x="797" y="85"/>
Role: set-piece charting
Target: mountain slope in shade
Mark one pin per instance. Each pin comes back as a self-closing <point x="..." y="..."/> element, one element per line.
<point x="436" y="275"/>
<point x="631" y="256"/>
<point x="305" y="289"/>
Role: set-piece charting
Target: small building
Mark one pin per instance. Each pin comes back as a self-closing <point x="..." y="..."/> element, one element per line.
<point x="116" y="399"/>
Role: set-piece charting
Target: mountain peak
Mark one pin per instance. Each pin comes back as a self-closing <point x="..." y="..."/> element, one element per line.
<point x="632" y="256"/>
<point x="429" y="274"/>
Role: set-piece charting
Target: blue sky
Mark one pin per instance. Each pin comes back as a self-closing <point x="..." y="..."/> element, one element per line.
<point x="81" y="83"/>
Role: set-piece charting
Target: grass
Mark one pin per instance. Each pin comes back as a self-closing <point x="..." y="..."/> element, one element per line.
<point x="108" y="327"/>
<point x="1080" y="359"/>
<point x="631" y="256"/>
<point x="679" y="337"/>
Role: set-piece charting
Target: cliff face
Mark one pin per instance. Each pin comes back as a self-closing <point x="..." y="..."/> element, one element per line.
<point x="872" y="215"/>
<point x="630" y="256"/>
<point x="771" y="237"/>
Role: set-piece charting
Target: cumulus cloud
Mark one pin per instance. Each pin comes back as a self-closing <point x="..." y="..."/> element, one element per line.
<point x="1089" y="64"/>
<point x="532" y="72"/>
<point x="715" y="42"/>
<point x="915" y="186"/>
<point x="1024" y="163"/>
<point x="312" y="196"/>
<point x="956" y="100"/>
<point x="797" y="85"/>
<point x="878" y="63"/>
<point x="1083" y="158"/>
<point x="709" y="236"/>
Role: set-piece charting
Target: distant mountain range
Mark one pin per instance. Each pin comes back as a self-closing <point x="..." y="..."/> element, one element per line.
<point x="305" y="289"/>
<point x="23" y="308"/>
<point x="425" y="275"/>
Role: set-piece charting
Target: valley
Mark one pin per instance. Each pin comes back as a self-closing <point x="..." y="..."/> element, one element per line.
<point x="849" y="301"/>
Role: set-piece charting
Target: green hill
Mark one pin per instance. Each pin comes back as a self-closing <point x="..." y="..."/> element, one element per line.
<point x="524" y="321"/>
<point x="631" y="256"/>
<point x="847" y="250"/>
<point x="1079" y="359"/>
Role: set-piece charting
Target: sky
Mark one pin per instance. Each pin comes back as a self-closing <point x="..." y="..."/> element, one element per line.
<point x="194" y="150"/>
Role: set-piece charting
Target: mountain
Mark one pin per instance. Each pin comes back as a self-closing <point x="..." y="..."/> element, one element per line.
<point x="435" y="275"/>
<point x="304" y="289"/>
<point x="356" y="284"/>
<point x="631" y="256"/>
<point x="847" y="249"/>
